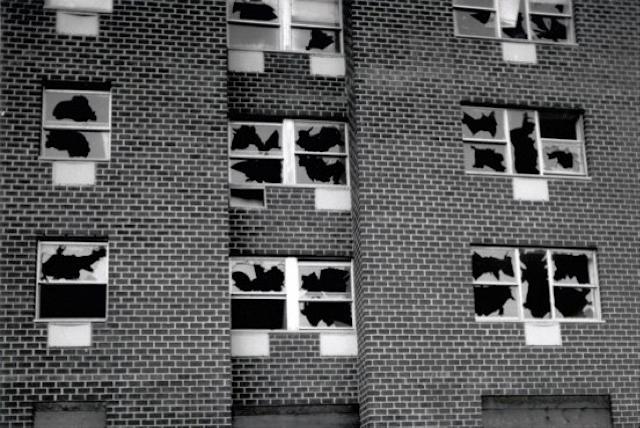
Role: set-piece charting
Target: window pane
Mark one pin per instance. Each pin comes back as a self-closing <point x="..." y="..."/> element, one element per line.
<point x="72" y="144"/>
<point x="313" y="169"/>
<point x="495" y="300"/>
<point x="254" y="37"/>
<point x="76" y="108"/>
<point x="485" y="123"/>
<point x="73" y="301"/>
<point x="73" y="262"/>
<point x="325" y="314"/>
<point x="550" y="6"/>
<point x="485" y="157"/>
<point x="563" y="158"/>
<point x="493" y="265"/>
<point x="247" y="198"/>
<point x="572" y="268"/>
<point x="574" y="302"/>
<point x="315" y="39"/>
<point x="256" y="171"/>
<point x="257" y="276"/>
<point x="512" y="22"/>
<point x="320" y="280"/>
<point x="480" y="23"/>
<point x="523" y="139"/>
<point x="261" y="314"/>
<point x="550" y="28"/>
<point x="316" y="12"/>
<point x="535" y="284"/>
<point x="475" y="3"/>
<point x="256" y="139"/>
<point x="561" y="125"/>
<point x="255" y="10"/>
<point x="312" y="137"/>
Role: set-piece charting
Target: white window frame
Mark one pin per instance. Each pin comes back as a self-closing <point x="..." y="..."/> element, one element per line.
<point x="540" y="143"/>
<point x="594" y="285"/>
<point x="40" y="282"/>
<point x="285" y="27"/>
<point x="292" y="292"/>
<point x="75" y="126"/>
<point x="571" y="39"/>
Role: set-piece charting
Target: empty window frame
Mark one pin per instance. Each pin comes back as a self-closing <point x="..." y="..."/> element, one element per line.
<point x="523" y="142"/>
<point x="290" y="294"/>
<point x="549" y="21"/>
<point x="292" y="25"/>
<point x="72" y="280"/>
<point x="76" y="125"/>
<point x="524" y="284"/>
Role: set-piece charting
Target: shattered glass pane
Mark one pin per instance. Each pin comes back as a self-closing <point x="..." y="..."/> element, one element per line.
<point x="495" y="300"/>
<point x="481" y="23"/>
<point x="255" y="10"/>
<point x="549" y="6"/>
<point x="562" y="158"/>
<point x="322" y="281"/>
<point x="550" y="28"/>
<point x="77" y="301"/>
<point x="262" y="314"/>
<point x="312" y="169"/>
<point x="256" y="138"/>
<point x="493" y="265"/>
<point x="514" y="29"/>
<point x="312" y="137"/>
<point x="74" y="144"/>
<point x="247" y="198"/>
<point x="574" y="302"/>
<point x="557" y="124"/>
<point x="325" y="12"/>
<point x="73" y="262"/>
<point x="254" y="37"/>
<point x="484" y="123"/>
<point x="571" y="268"/>
<point x="535" y="284"/>
<point x="257" y="276"/>
<point x="315" y="39"/>
<point x="255" y="171"/>
<point x="76" y="108"/>
<point x="475" y="3"/>
<point x="523" y="140"/>
<point x="325" y="314"/>
<point x="485" y="157"/>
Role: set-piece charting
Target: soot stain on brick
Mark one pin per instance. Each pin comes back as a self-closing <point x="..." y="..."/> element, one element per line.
<point x="63" y="266"/>
<point x="260" y="170"/>
<point x="491" y="298"/>
<point x="319" y="40"/>
<point x="488" y="157"/>
<point x="331" y="280"/>
<point x="322" y="141"/>
<point x="328" y="312"/>
<point x="571" y="266"/>
<point x="319" y="170"/>
<point x="255" y="10"/>
<point x="246" y="136"/>
<point x="77" y="109"/>
<point x="549" y="27"/>
<point x="486" y="122"/>
<point x="249" y="196"/>
<point x="270" y="280"/>
<point x="73" y="142"/>
<point x="518" y="31"/>
<point x="571" y="301"/>
<point x="564" y="158"/>
<point x="525" y="153"/>
<point x="534" y="273"/>
<point x="493" y="265"/>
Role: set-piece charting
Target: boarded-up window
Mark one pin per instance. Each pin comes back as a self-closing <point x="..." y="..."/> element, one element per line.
<point x="546" y="411"/>
<point x="329" y="416"/>
<point x="70" y="415"/>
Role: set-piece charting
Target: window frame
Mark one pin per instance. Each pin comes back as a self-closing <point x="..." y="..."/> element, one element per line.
<point x="571" y="39"/>
<point x="594" y="285"/>
<point x="75" y="126"/>
<point x="40" y="282"/>
<point x="540" y="144"/>
<point x="285" y="26"/>
<point x="292" y="294"/>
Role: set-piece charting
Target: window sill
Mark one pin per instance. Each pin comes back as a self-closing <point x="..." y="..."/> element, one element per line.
<point x="312" y="330"/>
<point x="533" y="176"/>
<point x="487" y="320"/>
<point x="314" y="53"/>
<point x="536" y="42"/>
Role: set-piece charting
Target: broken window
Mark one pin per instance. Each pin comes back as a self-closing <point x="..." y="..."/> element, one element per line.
<point x="76" y="125"/>
<point x="292" y="152"/>
<point x="72" y="280"/>
<point x="533" y="283"/>
<point x="290" y="294"/>
<point x="528" y="142"/>
<point x="548" y="21"/>
<point x="298" y="25"/>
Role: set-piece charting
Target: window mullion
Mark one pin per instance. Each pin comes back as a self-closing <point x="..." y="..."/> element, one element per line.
<point x="292" y="291"/>
<point x="285" y="24"/>
<point x="507" y="137"/>
<point x="498" y="11"/>
<point x="552" y="299"/>
<point x="288" y="152"/>
<point x="527" y="20"/>
<point x="539" y="144"/>
<point x="519" y="280"/>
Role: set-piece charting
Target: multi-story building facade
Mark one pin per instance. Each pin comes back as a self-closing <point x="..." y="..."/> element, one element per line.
<point x="319" y="212"/>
